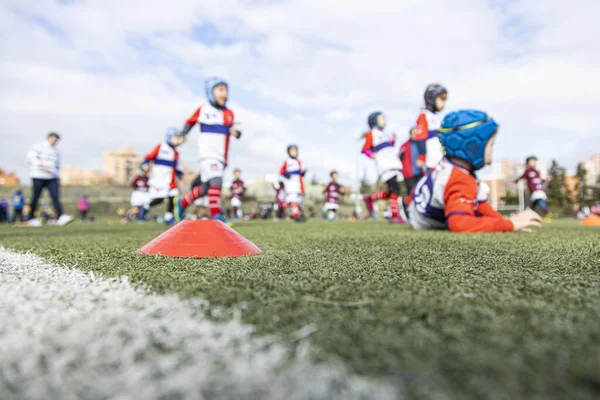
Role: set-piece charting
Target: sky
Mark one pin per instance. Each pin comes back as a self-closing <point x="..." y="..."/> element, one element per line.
<point x="116" y="73"/>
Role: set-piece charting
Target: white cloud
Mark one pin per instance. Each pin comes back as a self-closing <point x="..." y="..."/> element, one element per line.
<point x="338" y="115"/>
<point x="530" y="63"/>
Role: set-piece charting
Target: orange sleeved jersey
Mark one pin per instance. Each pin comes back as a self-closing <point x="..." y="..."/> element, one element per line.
<point x="449" y="197"/>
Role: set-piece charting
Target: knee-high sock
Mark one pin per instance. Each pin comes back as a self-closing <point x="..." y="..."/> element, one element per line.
<point x="394" y="206"/>
<point x="214" y="200"/>
<point x="379" y="196"/>
<point x="192" y="195"/>
<point x="295" y="209"/>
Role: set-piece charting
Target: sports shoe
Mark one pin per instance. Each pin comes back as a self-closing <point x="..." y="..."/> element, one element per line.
<point x="178" y="210"/>
<point x="398" y="220"/>
<point x="220" y="217"/>
<point x="549" y="217"/>
<point x="64" y="220"/>
<point x="34" y="222"/>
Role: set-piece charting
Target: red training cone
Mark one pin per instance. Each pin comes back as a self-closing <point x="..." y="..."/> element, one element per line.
<point x="200" y="239"/>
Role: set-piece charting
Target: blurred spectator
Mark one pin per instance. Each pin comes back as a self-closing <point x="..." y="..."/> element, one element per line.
<point x="3" y="211"/>
<point x="83" y="207"/>
<point x="44" y="163"/>
<point x="18" y="202"/>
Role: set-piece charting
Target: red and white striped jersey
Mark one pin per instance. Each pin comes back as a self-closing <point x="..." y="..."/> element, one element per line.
<point x="214" y="125"/>
<point x="165" y="168"/>
<point x="293" y="170"/>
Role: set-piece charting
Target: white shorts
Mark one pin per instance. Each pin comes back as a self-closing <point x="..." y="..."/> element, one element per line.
<point x="294" y="198"/>
<point x="332" y="206"/>
<point x="389" y="174"/>
<point x="140" y="199"/>
<point x="235" y="202"/>
<point x="210" y="168"/>
<point x="202" y="202"/>
<point x="160" y="193"/>
<point x="538" y="195"/>
<point x="418" y="221"/>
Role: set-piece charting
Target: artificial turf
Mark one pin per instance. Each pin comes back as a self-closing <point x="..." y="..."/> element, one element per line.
<point x="498" y="316"/>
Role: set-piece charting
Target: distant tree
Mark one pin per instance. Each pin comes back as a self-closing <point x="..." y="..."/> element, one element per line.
<point x="556" y="189"/>
<point x="596" y="190"/>
<point x="365" y="187"/>
<point x="582" y="189"/>
<point x="314" y="180"/>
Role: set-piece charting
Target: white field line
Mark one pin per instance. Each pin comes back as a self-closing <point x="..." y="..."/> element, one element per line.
<point x="65" y="334"/>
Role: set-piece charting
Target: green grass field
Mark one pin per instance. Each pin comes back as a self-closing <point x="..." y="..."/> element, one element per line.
<point x="498" y="316"/>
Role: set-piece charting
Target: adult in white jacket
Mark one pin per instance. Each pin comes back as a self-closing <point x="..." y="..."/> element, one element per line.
<point x="44" y="169"/>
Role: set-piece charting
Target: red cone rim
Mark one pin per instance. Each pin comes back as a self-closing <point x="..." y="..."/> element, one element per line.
<point x="200" y="239"/>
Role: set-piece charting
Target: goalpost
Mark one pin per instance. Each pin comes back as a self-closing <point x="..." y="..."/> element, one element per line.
<point x="494" y="194"/>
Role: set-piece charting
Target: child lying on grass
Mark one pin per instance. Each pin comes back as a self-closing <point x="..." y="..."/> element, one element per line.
<point x="449" y="196"/>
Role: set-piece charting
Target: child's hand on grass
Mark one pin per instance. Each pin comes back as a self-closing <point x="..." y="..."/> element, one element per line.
<point x="525" y="220"/>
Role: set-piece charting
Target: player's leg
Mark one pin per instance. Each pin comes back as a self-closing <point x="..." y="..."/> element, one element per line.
<point x="280" y="212"/>
<point x="373" y="197"/>
<point x="293" y="201"/>
<point x="236" y="209"/>
<point x="393" y="184"/>
<point x="156" y="201"/>
<point x="533" y="204"/>
<point x="169" y="208"/>
<point x="239" y="212"/>
<point x="54" y="190"/>
<point x="36" y="189"/>
<point x="214" y="198"/>
<point x="331" y="213"/>
<point x="211" y="172"/>
<point x="543" y="207"/>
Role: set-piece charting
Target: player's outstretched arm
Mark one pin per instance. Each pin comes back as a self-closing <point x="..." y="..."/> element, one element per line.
<point x="526" y="220"/>
<point x="459" y="198"/>
<point x="519" y="178"/>
<point x="191" y="121"/>
<point x="484" y="209"/>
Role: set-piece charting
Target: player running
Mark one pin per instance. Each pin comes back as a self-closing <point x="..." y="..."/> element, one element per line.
<point x="293" y="170"/>
<point x="332" y="192"/>
<point x="165" y="171"/>
<point x="280" y="196"/>
<point x="140" y="197"/>
<point x="215" y="124"/>
<point x="238" y="188"/>
<point x="379" y="146"/>
<point x="535" y="184"/>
